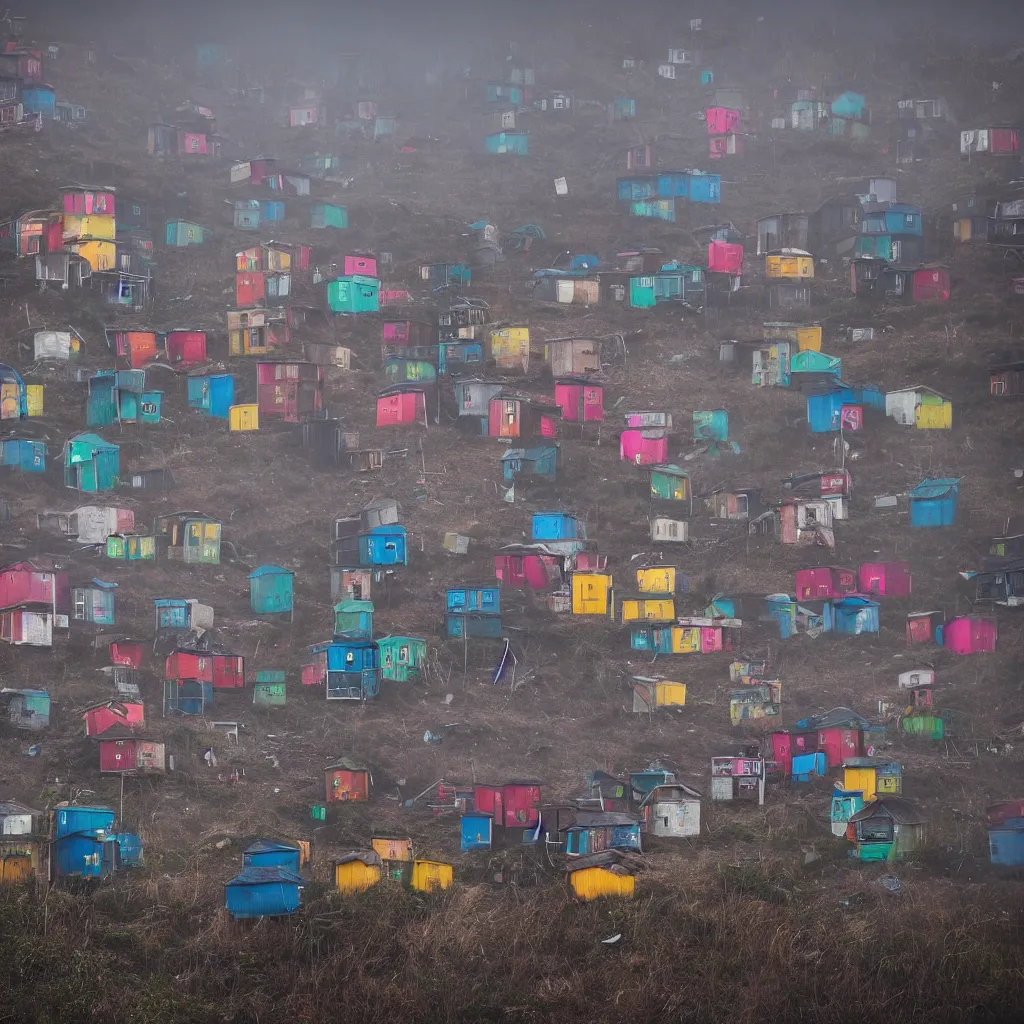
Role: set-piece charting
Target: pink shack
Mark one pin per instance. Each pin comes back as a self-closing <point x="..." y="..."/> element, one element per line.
<point x="970" y="634"/>
<point x="889" y="579"/>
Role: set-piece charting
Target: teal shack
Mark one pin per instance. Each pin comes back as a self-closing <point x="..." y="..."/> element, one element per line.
<point x="120" y="396"/>
<point x="933" y="502"/>
<point x="268" y="690"/>
<point x="354" y="293"/>
<point x="213" y="394"/>
<point x="28" y="456"/>
<point x="270" y="591"/>
<point x="402" y="657"/>
<point x="710" y="425"/>
<point x="91" y="464"/>
<point x="179" y="233"/>
<point x="401" y="371"/>
<point x="514" y="143"/>
<point x="530" y="462"/>
<point x="354" y="618"/>
<point x="328" y="215"/>
<point x="93" y="602"/>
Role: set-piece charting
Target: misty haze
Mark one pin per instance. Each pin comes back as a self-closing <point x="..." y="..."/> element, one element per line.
<point x="511" y="513"/>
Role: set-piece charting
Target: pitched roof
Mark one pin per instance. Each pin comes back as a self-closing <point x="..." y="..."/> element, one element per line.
<point x="901" y="811"/>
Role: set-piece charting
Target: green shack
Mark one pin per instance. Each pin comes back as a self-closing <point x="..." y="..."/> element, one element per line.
<point x="671" y="483"/>
<point x="269" y="689"/>
<point x="402" y="657"/>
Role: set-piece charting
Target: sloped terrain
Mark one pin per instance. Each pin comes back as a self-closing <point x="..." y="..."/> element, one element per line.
<point x="730" y="925"/>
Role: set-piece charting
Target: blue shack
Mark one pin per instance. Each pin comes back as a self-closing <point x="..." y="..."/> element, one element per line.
<point x="349" y="666"/>
<point x="187" y="696"/>
<point x="270" y="590"/>
<point x="91" y="464"/>
<point x="384" y="545"/>
<point x="1006" y="843"/>
<point x="265" y="853"/>
<point x="84" y="846"/>
<point x="457" y="356"/>
<point x="476" y="832"/>
<point x="28" y="456"/>
<point x="933" y="502"/>
<point x="91" y="853"/>
<point x="693" y="185"/>
<point x="560" y="531"/>
<point x="213" y="394"/>
<point x="854" y="614"/>
<point x="93" y="602"/>
<point x="474" y="612"/>
<point x="644" y="186"/>
<point x="181" y="613"/>
<point x="263" y="892"/>
<point x="70" y="820"/>
<point x="483" y="600"/>
<point x="271" y="210"/>
<point x="538" y="462"/>
<point x="39" y="99"/>
<point x="594" y="831"/>
<point x="825" y="410"/>
<point x="515" y="143"/>
<point x="129" y="849"/>
<point x="807" y="765"/>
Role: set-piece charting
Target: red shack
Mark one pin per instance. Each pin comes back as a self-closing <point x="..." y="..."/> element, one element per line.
<point x="185" y="348"/>
<point x="291" y="391"/>
<point x="581" y="400"/>
<point x="512" y="416"/>
<point x="122" y="751"/>
<point x="345" y="781"/>
<point x="725" y="258"/>
<point x="837" y="743"/>
<point x="825" y="581"/>
<point x="889" y="579"/>
<point x="401" y="404"/>
<point x="528" y="567"/>
<point x="109" y="713"/>
<point x="24" y="583"/>
<point x="223" y="671"/>
<point x="514" y="805"/>
<point x="930" y="284"/>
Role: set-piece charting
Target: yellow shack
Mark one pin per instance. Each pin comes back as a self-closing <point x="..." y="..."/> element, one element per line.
<point x="656" y="579"/>
<point x="790" y="264"/>
<point x="591" y="593"/>
<point x="244" y="417"/>
<point x="428" y="875"/>
<point x="807" y="337"/>
<point x="601" y="874"/>
<point x="357" y="871"/>
<point x="510" y="348"/>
